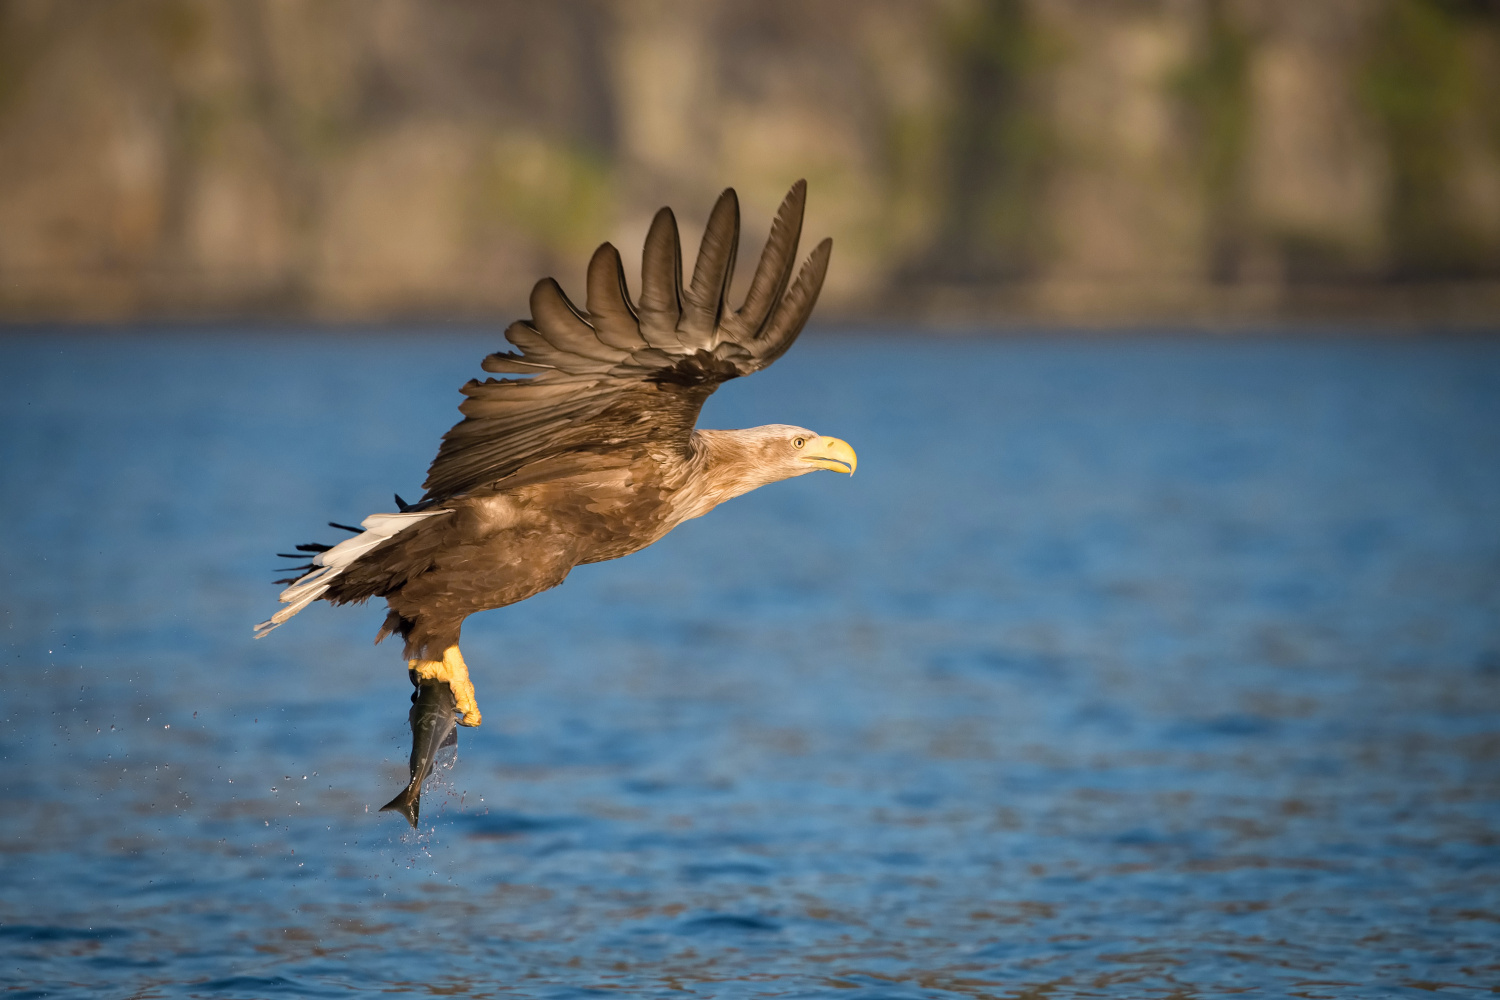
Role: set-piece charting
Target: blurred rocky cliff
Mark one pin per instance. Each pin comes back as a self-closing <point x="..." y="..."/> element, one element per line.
<point x="974" y="161"/>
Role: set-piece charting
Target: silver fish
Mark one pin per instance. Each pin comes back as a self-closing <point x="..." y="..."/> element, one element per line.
<point x="434" y="722"/>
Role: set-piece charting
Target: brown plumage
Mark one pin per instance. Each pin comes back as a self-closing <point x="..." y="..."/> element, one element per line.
<point x="593" y="455"/>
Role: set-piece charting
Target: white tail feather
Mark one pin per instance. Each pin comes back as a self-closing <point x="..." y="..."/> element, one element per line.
<point x="330" y="564"/>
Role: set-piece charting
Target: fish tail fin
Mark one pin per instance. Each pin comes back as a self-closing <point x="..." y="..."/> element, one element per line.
<point x="408" y="803"/>
<point x="433" y="720"/>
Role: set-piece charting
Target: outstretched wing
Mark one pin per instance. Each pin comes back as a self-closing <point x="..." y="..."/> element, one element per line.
<point x="623" y="375"/>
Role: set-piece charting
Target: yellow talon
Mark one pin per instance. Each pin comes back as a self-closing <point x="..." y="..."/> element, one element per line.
<point x="455" y="671"/>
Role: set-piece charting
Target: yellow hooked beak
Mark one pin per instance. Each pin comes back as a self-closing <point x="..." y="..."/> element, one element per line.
<point x="830" y="453"/>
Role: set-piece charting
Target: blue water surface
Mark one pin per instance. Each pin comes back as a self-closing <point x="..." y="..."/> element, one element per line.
<point x="1123" y="667"/>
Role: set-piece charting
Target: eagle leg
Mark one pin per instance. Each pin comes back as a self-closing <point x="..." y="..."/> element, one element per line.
<point x="455" y="671"/>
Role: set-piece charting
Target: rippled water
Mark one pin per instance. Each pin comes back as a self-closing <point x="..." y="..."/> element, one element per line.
<point x="1122" y="668"/>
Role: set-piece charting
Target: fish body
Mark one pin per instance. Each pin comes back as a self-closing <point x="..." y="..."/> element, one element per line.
<point x="434" y="721"/>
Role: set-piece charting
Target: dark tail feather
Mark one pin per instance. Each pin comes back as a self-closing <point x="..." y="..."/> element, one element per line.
<point x="301" y="553"/>
<point x="300" y="571"/>
<point x="303" y="550"/>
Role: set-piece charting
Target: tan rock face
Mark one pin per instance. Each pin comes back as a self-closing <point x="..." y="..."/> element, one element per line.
<point x="1053" y="158"/>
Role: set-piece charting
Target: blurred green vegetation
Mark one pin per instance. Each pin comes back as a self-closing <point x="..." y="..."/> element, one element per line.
<point x="560" y="195"/>
<point x="998" y="144"/>
<point x="977" y="157"/>
<point x="1214" y="87"/>
<point x="1427" y="82"/>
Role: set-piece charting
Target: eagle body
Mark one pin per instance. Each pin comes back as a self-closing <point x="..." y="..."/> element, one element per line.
<point x="505" y="545"/>
<point x="593" y="453"/>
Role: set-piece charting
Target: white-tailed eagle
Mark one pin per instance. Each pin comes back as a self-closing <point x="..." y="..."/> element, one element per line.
<point x="591" y="455"/>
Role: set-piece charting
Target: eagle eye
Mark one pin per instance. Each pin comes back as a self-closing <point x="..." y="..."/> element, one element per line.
<point x="798" y="442"/>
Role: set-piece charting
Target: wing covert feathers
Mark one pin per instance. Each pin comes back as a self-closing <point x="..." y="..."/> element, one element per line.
<point x="621" y="375"/>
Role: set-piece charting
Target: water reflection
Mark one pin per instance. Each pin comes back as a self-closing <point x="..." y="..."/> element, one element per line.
<point x="1120" y="668"/>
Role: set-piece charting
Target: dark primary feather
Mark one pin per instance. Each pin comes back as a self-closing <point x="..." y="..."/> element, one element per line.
<point x="623" y="375"/>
